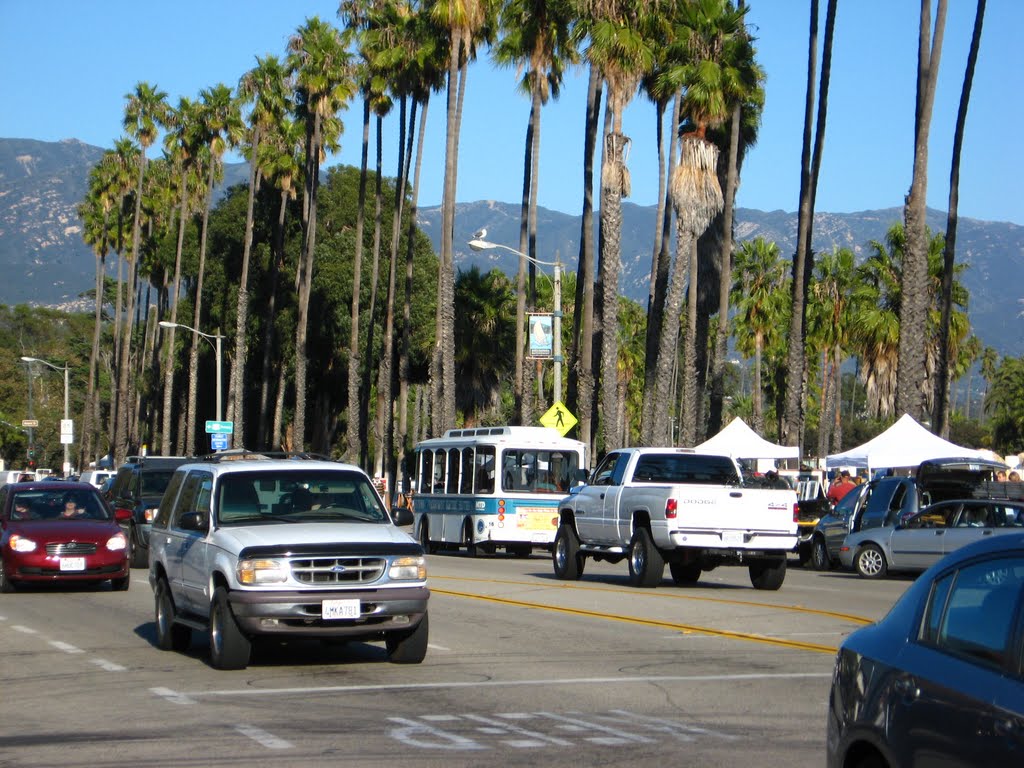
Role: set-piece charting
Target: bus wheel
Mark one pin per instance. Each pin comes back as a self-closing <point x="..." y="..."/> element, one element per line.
<point x="429" y="547"/>
<point x="467" y="540"/>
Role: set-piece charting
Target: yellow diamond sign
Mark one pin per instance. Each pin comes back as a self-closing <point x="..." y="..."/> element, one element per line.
<point x="559" y="417"/>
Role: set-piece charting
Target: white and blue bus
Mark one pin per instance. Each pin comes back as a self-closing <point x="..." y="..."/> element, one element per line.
<point x="493" y="487"/>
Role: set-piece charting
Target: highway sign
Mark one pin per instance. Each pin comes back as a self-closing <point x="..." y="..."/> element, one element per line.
<point x="220" y="427"/>
<point x="559" y="417"/>
<point x="30" y="422"/>
<point x="219" y="441"/>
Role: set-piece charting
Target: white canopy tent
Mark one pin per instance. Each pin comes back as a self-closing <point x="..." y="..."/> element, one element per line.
<point x="905" y="444"/>
<point x="741" y="442"/>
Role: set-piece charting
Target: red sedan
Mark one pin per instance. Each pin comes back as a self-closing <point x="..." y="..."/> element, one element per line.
<point x="60" y="532"/>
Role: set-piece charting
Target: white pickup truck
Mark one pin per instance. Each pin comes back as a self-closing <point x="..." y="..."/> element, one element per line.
<point x="693" y="511"/>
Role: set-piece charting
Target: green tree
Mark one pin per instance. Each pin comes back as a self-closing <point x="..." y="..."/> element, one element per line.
<point x="483" y="334"/>
<point x="324" y="82"/>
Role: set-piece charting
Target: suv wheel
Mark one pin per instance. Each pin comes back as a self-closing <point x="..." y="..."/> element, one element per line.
<point x="409" y="647"/>
<point x="819" y="554"/>
<point x="169" y="636"/>
<point x="229" y="647"/>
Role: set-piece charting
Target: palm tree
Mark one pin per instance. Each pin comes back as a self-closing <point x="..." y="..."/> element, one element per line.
<point x="914" y="307"/>
<point x="940" y="421"/>
<point x="828" y="328"/>
<point x="144" y="114"/>
<point x="324" y="82"/>
<point x="265" y="86"/>
<point x="758" y="290"/>
<point x="622" y="55"/>
<point x="710" y="74"/>
<point x="803" y="262"/>
<point x="180" y="146"/>
<point x="465" y="20"/>
<point x="220" y="124"/>
<point x="537" y="40"/>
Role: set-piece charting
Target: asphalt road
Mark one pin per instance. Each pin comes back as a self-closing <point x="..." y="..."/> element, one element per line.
<point x="523" y="669"/>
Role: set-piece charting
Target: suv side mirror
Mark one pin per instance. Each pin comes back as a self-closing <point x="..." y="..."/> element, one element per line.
<point x="402" y="516"/>
<point x="194" y="521"/>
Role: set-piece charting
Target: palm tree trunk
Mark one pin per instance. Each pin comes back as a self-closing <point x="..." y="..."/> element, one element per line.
<point x="165" y="441"/>
<point x="689" y="416"/>
<point x="237" y="385"/>
<point x="193" y="358"/>
<point x="581" y="375"/>
<point x="364" y="404"/>
<point x="940" y="418"/>
<point x="276" y="262"/>
<point x="519" y="383"/>
<point x="352" y="427"/>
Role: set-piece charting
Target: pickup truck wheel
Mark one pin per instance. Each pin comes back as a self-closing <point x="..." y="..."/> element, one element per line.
<point x="169" y="636"/>
<point x="408" y="647"/>
<point x="768" y="574"/>
<point x="684" y="574"/>
<point x="646" y="565"/>
<point x="870" y="562"/>
<point x="229" y="647"/>
<point x="429" y="547"/>
<point x="565" y="553"/>
<point x="819" y="555"/>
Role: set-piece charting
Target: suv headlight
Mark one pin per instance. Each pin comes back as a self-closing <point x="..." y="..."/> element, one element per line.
<point x="261" y="571"/>
<point x="408" y="569"/>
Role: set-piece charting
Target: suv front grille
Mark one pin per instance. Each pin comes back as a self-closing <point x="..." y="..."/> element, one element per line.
<point x="71" y="548"/>
<point x="338" y="570"/>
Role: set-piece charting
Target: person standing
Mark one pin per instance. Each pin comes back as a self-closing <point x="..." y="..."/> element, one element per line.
<point x="840" y="487"/>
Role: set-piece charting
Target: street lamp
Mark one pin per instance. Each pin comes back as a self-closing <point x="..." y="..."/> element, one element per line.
<point x="479" y="244"/>
<point x="64" y="438"/>
<point x="214" y="339"/>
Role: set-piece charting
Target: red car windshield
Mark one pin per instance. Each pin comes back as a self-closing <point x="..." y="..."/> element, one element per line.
<point x="57" y="504"/>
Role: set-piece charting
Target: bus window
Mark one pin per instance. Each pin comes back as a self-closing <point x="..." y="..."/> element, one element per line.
<point x="453" y="471"/>
<point x="466" y="485"/>
<point x="439" y="459"/>
<point x="484" y="469"/>
<point x="426" y="474"/>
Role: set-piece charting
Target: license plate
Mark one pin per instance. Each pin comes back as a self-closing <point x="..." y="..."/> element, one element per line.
<point x="340" y="609"/>
<point x="72" y="563"/>
<point x="732" y="538"/>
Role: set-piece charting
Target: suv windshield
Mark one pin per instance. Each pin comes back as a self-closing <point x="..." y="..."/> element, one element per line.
<point x="154" y="482"/>
<point x="277" y="496"/>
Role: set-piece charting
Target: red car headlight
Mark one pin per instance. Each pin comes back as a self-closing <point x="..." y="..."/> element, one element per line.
<point x="21" y="544"/>
<point x="117" y="542"/>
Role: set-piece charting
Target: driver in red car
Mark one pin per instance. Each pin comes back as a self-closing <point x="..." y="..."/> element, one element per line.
<point x="72" y="510"/>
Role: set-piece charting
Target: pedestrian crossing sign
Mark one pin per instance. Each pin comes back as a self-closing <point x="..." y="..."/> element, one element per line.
<point x="559" y="417"/>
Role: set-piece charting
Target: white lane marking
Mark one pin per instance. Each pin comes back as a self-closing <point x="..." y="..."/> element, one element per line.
<point x="66" y="647"/>
<point x="172" y="696"/>
<point x="611" y="736"/>
<point x="24" y="630"/>
<point x="108" y="666"/>
<point x="437" y="647"/>
<point x="263" y="738"/>
<point x="493" y="684"/>
<point x="417" y="734"/>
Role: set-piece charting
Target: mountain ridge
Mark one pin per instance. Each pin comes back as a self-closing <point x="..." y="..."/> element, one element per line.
<point x="47" y="263"/>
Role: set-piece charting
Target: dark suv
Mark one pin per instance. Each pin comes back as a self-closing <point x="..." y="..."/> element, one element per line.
<point x="138" y="486"/>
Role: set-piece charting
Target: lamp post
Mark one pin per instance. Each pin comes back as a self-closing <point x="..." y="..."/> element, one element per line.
<point x="479" y="244"/>
<point x="215" y="341"/>
<point x="64" y="438"/>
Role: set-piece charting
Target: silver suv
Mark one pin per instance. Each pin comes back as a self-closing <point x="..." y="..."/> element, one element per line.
<point x="248" y="544"/>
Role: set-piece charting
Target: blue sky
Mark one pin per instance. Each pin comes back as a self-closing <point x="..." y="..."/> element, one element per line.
<point x="68" y="64"/>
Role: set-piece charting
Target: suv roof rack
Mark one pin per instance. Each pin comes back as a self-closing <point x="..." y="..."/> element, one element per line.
<point x="239" y="454"/>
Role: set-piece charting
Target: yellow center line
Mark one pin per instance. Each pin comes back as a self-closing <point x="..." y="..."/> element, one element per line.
<point x="666" y="596"/>
<point x="799" y="645"/>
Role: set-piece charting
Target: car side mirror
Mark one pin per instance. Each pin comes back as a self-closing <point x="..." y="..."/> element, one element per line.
<point x="402" y="516"/>
<point x="194" y="521"/>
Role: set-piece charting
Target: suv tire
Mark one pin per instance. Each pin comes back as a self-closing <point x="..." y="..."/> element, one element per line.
<point x="169" y="636"/>
<point x="408" y="647"/>
<point x="229" y="647"/>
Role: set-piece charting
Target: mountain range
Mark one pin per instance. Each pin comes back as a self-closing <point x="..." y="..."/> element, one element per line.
<point x="47" y="263"/>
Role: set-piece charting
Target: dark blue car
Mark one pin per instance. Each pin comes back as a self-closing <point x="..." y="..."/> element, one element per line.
<point x="939" y="680"/>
